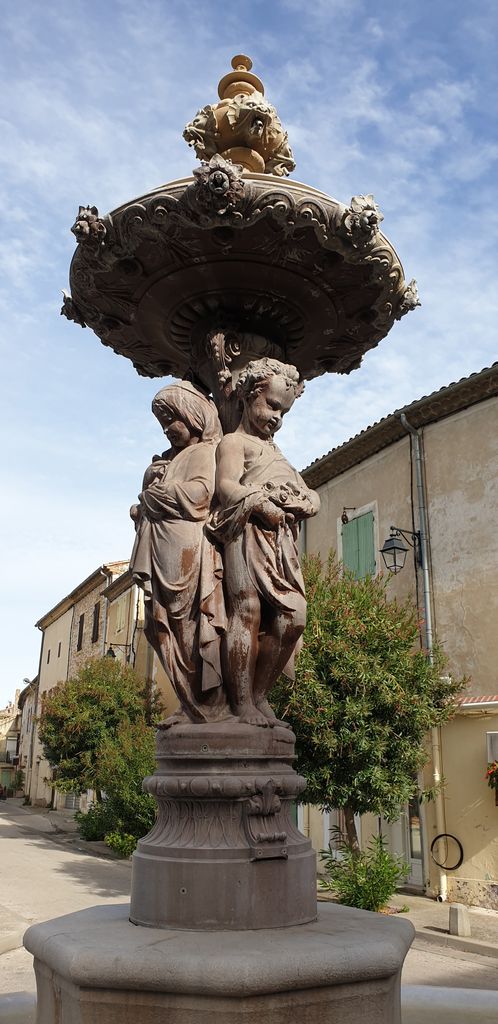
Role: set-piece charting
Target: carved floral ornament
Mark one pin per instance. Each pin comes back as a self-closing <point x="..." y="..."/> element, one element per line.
<point x="219" y="184"/>
<point x="362" y="219"/>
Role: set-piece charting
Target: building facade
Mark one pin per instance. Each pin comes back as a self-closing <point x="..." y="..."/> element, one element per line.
<point x="9" y="745"/>
<point x="367" y="486"/>
<point x="72" y="633"/>
<point x="28" y="701"/>
<point x="103" y="615"/>
<point x="126" y="639"/>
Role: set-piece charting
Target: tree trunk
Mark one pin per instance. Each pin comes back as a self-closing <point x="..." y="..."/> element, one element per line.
<point x="351" y="830"/>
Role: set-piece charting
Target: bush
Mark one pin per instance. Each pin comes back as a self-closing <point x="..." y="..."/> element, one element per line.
<point x="365" y="879"/>
<point x="97" y="821"/>
<point x="121" y="842"/>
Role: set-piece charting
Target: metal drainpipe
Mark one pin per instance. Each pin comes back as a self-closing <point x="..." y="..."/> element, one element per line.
<point x="436" y="732"/>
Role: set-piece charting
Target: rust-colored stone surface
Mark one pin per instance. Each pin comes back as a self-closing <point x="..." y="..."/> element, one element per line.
<point x="224" y="852"/>
<point x="291" y="272"/>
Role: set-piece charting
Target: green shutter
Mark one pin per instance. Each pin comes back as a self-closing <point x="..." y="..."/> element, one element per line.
<point x="358" y="549"/>
<point x="350" y="546"/>
<point x="366" y="548"/>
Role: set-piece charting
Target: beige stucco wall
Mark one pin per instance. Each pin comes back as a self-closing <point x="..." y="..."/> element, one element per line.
<point x="461" y="470"/>
<point x="462" y="485"/>
<point x="382" y="485"/>
<point x="470" y="809"/>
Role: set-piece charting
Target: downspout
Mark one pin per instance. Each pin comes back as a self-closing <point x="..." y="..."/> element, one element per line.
<point x="105" y="603"/>
<point x="435" y="732"/>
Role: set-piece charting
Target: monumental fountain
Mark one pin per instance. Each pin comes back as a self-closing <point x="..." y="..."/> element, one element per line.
<point x="241" y="284"/>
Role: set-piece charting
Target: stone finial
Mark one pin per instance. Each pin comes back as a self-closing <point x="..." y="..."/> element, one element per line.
<point x="409" y="299"/>
<point x="243" y="126"/>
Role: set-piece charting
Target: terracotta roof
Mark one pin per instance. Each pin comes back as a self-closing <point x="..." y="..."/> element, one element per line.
<point x="444" y="402"/>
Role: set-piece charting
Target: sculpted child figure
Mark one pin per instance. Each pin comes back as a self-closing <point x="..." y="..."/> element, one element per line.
<point x="173" y="559"/>
<point x="261" y="501"/>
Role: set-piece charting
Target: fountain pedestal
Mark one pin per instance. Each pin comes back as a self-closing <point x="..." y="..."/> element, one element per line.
<point x="224" y="851"/>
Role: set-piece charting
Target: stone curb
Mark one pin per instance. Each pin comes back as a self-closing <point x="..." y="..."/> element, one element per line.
<point x="12" y="928"/>
<point x="18" y="1008"/>
<point x="464" y="945"/>
<point x="11" y="940"/>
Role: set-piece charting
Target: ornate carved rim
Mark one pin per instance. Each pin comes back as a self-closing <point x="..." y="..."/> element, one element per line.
<point x="221" y="247"/>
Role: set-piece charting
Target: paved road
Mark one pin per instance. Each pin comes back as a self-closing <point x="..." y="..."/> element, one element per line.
<point x="42" y="877"/>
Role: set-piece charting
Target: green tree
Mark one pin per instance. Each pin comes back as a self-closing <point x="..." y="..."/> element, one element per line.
<point x="80" y="714"/>
<point x="96" y="731"/>
<point x="123" y="762"/>
<point x="365" y="695"/>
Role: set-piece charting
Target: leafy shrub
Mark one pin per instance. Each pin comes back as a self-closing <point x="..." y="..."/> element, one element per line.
<point x="365" y="879"/>
<point x="97" y="821"/>
<point x="121" y="842"/>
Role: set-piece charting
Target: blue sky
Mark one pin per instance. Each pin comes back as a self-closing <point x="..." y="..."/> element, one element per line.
<point x="394" y="98"/>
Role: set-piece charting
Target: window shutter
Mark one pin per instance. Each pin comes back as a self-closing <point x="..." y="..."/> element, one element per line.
<point x="366" y="549"/>
<point x="358" y="549"/>
<point x="350" y="545"/>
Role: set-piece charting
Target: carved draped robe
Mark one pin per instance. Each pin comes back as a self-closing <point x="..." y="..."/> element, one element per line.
<point x="180" y="571"/>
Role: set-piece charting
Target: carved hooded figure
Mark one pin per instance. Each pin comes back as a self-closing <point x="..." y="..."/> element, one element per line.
<point x="173" y="560"/>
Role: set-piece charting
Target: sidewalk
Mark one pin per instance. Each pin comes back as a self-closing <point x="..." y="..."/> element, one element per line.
<point x="431" y="922"/>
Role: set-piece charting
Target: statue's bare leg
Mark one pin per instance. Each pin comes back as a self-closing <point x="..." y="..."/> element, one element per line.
<point x="241" y="642"/>
<point x="275" y="649"/>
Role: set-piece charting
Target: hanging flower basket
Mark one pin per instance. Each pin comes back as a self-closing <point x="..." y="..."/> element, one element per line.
<point x="492" y="777"/>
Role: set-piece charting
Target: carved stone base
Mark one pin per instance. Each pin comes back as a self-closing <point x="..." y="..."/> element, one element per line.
<point x="224" y="851"/>
<point x="94" y="967"/>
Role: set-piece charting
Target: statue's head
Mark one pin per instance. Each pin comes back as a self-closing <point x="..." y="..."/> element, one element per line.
<point x="185" y="413"/>
<point x="267" y="389"/>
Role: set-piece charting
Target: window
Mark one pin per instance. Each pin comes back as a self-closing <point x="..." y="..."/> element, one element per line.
<point x="81" y="624"/>
<point x="358" y="545"/>
<point x="95" y="627"/>
<point x="48" y="656"/>
<point x="59" y="649"/>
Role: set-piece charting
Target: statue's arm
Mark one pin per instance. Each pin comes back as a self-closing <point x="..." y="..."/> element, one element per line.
<point x="230" y="470"/>
<point x="229" y="489"/>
